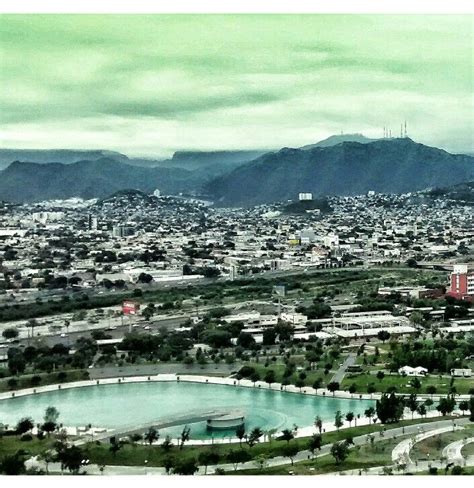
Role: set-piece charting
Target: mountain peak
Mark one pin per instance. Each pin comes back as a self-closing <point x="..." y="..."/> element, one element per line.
<point x="338" y="139"/>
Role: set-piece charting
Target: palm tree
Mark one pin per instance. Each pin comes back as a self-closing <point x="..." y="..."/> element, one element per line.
<point x="318" y="423"/>
<point x="184" y="436"/>
<point x="151" y="436"/>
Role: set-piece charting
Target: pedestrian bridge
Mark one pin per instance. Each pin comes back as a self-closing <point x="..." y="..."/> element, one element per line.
<point x="164" y="422"/>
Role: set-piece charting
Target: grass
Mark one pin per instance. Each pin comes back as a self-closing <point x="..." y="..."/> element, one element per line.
<point x="24" y="381"/>
<point x="468" y="450"/>
<point x="361" y="381"/>
<point x="12" y="444"/>
<point x="131" y="455"/>
<point x="360" y="457"/>
<point x="279" y="368"/>
<point x="432" y="447"/>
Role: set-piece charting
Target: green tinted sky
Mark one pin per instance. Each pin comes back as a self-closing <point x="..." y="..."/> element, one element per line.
<point x="152" y="84"/>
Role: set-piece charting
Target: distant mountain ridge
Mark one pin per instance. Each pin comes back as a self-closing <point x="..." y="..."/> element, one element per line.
<point x="330" y="167"/>
<point x="63" y="156"/>
<point x="30" y="182"/>
<point x="348" y="168"/>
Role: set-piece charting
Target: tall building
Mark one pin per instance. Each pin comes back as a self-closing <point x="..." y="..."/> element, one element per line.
<point x="462" y="282"/>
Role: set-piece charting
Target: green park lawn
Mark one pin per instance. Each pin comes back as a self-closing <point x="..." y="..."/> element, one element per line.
<point x="360" y="457"/>
<point x="402" y="383"/>
<point x="24" y="381"/>
<point x="11" y="444"/>
<point x="135" y="455"/>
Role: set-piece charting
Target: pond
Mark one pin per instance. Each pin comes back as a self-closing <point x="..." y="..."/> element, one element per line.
<point x="133" y="404"/>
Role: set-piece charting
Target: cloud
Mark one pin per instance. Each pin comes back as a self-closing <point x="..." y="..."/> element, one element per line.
<point x="154" y="84"/>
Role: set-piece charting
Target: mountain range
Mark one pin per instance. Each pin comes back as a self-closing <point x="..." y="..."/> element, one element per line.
<point x="340" y="165"/>
<point x="349" y="168"/>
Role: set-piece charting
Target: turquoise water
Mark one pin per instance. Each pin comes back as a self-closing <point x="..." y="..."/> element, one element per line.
<point x="129" y="404"/>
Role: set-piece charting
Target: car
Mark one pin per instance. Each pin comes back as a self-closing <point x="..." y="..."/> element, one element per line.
<point x="147" y="327"/>
<point x="63" y="335"/>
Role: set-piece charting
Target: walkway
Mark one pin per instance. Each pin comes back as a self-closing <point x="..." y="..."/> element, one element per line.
<point x="341" y="372"/>
<point x="276" y="461"/>
<point x="401" y="452"/>
<point x="452" y="452"/>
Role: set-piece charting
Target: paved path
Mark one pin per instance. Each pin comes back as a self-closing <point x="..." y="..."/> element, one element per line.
<point x="341" y="372"/>
<point x="401" y="452"/>
<point x="276" y="461"/>
<point x="452" y="452"/>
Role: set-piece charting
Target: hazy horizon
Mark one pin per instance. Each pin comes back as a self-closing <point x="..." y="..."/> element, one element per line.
<point x="150" y="85"/>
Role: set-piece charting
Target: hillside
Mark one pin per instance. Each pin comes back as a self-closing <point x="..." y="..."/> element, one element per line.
<point x="462" y="193"/>
<point x="349" y="168"/>
<point x="30" y="182"/>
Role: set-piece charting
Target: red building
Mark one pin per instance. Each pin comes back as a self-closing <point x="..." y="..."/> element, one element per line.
<point x="462" y="282"/>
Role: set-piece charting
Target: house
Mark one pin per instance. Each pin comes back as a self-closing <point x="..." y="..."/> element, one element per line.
<point x="409" y="371"/>
<point x="463" y="372"/>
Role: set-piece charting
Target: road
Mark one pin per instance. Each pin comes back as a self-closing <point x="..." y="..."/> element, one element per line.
<point x="341" y="372"/>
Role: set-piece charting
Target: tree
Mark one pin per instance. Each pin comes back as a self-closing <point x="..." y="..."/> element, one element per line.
<point x="318" y="423"/>
<point x="389" y="408"/>
<point x="167" y="444"/>
<point x="333" y="386"/>
<point x="254" y="377"/>
<point x="10" y="333"/>
<point x="416" y="383"/>
<point x="240" y="433"/>
<point x="51" y="414"/>
<point x="115" y="446"/>
<point x="290" y="451"/>
<point x="32" y="323"/>
<point x="185" y="467"/>
<point x="71" y="458"/>
<point x="48" y="456"/>
<point x="49" y="427"/>
<point x="145" y="278"/>
<point x="315" y="442"/>
<point x="446" y="405"/>
<point x="287" y="435"/>
<point x="238" y="456"/>
<point x="254" y="436"/>
<point x="184" y="436"/>
<point x="151" y="436"/>
<point x="24" y="425"/>
<point x="383" y="336"/>
<point x="380" y="375"/>
<point x="350" y="417"/>
<point x="338" y="422"/>
<point x="135" y="438"/>
<point x="206" y="458"/>
<point x="245" y="340"/>
<point x="431" y="390"/>
<point x="269" y="377"/>
<point x="463" y="406"/>
<point x="340" y="451"/>
<point x="412" y="403"/>
<point x="13" y="464"/>
<point x="421" y="409"/>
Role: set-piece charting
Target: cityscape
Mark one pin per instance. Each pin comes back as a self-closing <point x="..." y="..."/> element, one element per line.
<point x="295" y="302"/>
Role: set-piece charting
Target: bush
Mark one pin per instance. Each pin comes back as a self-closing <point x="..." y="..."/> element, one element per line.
<point x="457" y="470"/>
<point x="246" y="371"/>
<point x="26" y="437"/>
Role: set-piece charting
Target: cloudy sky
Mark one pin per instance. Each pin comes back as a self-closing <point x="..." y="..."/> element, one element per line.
<point x="152" y="84"/>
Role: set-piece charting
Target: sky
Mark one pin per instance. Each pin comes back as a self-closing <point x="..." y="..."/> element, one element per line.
<point x="148" y="85"/>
